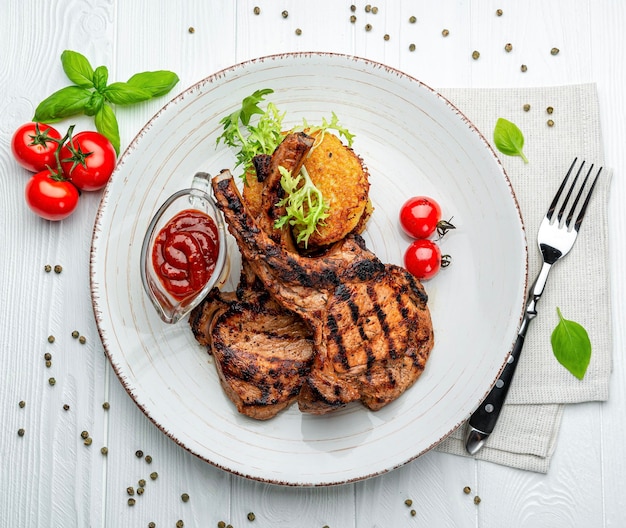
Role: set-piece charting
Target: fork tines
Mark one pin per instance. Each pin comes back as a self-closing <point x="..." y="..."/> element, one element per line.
<point x="572" y="210"/>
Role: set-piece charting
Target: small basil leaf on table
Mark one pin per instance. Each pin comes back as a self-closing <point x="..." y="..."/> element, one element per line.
<point x="509" y="139"/>
<point x="65" y="102"/>
<point x="77" y="68"/>
<point x="571" y="346"/>
<point x="156" y="82"/>
<point x="123" y="93"/>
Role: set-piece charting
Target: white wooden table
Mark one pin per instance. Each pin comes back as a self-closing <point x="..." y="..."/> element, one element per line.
<point x="48" y="477"/>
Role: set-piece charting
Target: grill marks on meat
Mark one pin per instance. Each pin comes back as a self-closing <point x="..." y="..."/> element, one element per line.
<point x="370" y="324"/>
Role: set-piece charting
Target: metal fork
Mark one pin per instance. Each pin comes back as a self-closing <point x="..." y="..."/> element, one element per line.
<point x="555" y="238"/>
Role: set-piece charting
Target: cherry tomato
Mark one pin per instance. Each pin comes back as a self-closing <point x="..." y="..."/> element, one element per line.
<point x="50" y="197"/>
<point x="423" y="259"/>
<point x="419" y="216"/>
<point x="33" y="146"/>
<point x="88" y="159"/>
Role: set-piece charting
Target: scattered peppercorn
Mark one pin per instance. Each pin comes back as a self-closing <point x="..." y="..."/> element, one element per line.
<point x="106" y="406"/>
<point x="445" y="32"/>
<point x="75" y="334"/>
<point x="285" y="13"/>
<point x="550" y="123"/>
<point x="82" y="340"/>
<point x="48" y="364"/>
<point x="221" y="524"/>
<point x="549" y="109"/>
<point x="191" y="29"/>
<point x="412" y="19"/>
<point x="154" y="475"/>
<point x="508" y="47"/>
<point x="20" y="432"/>
<point x="251" y="516"/>
<point x="22" y="404"/>
<point x="130" y="490"/>
<point x="554" y="51"/>
<point x="411" y="47"/>
<point x="184" y="497"/>
<point x="523" y="67"/>
<point x="352" y="19"/>
<point x="257" y="10"/>
<point x="47" y="356"/>
<point x="408" y="502"/>
<point x="179" y="523"/>
<point x="368" y="8"/>
<point x="139" y="453"/>
<point x="298" y="31"/>
<point x="477" y="500"/>
<point x="142" y="483"/>
<point x="50" y="339"/>
<point x="58" y="268"/>
<point x="353" y="8"/>
<point x="66" y="407"/>
<point x="148" y="459"/>
<point x="413" y="513"/>
<point x="467" y="490"/>
<point x="374" y="10"/>
<point x="475" y="55"/>
<point x="52" y="381"/>
<point x="526" y="107"/>
<point x="368" y="27"/>
<point x="131" y="502"/>
<point x="151" y="525"/>
<point x="88" y="441"/>
<point x="499" y="12"/>
<point x="47" y="268"/>
<point x="84" y="434"/>
<point x="140" y="491"/>
<point x="386" y="37"/>
<point x="104" y="450"/>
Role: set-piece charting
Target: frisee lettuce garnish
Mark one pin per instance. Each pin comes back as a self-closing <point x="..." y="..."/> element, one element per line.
<point x="304" y="204"/>
<point x="571" y="346"/>
<point x="509" y="139"/>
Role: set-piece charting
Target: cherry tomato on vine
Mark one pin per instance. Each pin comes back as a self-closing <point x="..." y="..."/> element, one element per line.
<point x="33" y="146"/>
<point x="50" y="196"/>
<point x="88" y="159"/>
<point x="423" y="259"/>
<point x="419" y="216"/>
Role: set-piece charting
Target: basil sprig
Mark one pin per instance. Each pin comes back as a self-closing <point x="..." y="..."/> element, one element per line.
<point x="93" y="96"/>
<point x="571" y="346"/>
<point x="509" y="139"/>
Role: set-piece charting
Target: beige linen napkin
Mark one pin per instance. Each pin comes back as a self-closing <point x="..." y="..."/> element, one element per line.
<point x="525" y="436"/>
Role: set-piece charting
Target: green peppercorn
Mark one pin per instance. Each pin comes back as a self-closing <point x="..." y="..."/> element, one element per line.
<point x="52" y="381"/>
<point x="104" y="450"/>
<point x="154" y="475"/>
<point x="82" y="340"/>
<point x="257" y="10"/>
<point x="130" y="490"/>
<point x="84" y="434"/>
<point x="48" y="364"/>
<point x="554" y="51"/>
<point x="151" y="525"/>
<point x="50" y="339"/>
<point x="58" y="268"/>
<point x="526" y="107"/>
<point x="75" y="334"/>
<point x="184" y="497"/>
<point x="411" y="47"/>
<point x="285" y="13"/>
<point x="47" y="268"/>
<point x="508" y="47"/>
<point x="88" y="441"/>
<point x="179" y="523"/>
<point x="413" y="513"/>
<point x="148" y="459"/>
<point x="142" y="483"/>
<point x="20" y="432"/>
<point x="374" y="10"/>
<point x="408" y="502"/>
<point x="131" y="502"/>
<point x="221" y="524"/>
<point x="477" y="500"/>
<point x="550" y="123"/>
<point x="298" y="31"/>
<point x="106" y="406"/>
<point x="412" y="20"/>
<point x="549" y="110"/>
<point x="475" y="54"/>
<point x="352" y="19"/>
<point x="140" y="491"/>
<point x="251" y="516"/>
<point x="523" y="67"/>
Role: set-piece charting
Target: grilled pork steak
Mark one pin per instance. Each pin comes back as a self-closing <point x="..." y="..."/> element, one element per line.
<point x="370" y="323"/>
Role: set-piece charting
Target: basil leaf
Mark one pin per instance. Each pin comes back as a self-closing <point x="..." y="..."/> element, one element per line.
<point x="123" y="93"/>
<point x="106" y="124"/>
<point x="100" y="77"/>
<point x="571" y="346"/>
<point x="95" y="103"/>
<point x="157" y="82"/>
<point x="65" y="102"/>
<point x="77" y="68"/>
<point x="509" y="139"/>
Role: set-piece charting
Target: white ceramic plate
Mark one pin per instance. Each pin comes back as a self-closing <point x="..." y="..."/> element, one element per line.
<point x="413" y="142"/>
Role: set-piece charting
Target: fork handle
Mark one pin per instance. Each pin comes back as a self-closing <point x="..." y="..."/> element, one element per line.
<point x="484" y="419"/>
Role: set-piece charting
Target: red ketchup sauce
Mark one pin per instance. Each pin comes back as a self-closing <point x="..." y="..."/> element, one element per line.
<point x="185" y="252"/>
